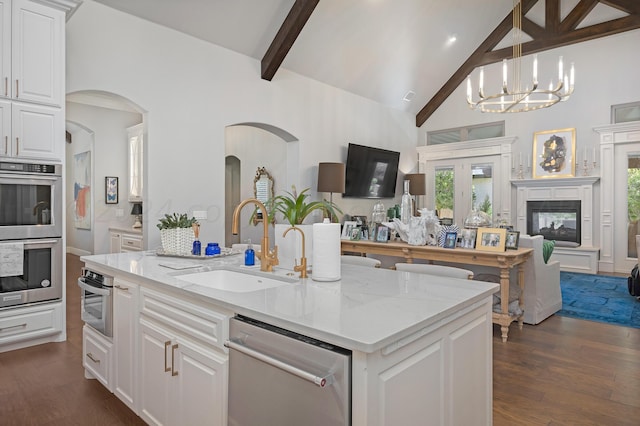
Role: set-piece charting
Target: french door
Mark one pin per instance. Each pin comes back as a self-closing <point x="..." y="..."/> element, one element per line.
<point x="626" y="224"/>
<point x="457" y="186"/>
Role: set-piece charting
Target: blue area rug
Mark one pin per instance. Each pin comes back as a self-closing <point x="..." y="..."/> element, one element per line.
<point x="598" y="298"/>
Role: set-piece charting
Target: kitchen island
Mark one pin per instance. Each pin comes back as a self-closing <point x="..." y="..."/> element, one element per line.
<point x="421" y="345"/>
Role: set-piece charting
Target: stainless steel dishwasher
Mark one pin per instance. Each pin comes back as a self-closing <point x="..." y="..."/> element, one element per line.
<point x="277" y="377"/>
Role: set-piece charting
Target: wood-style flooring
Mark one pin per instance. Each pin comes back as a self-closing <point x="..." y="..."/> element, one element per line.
<point x="560" y="372"/>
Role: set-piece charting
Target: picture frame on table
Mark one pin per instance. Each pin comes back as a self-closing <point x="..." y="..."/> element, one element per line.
<point x="111" y="190"/>
<point x="468" y="238"/>
<point x="554" y="153"/>
<point x="382" y="234"/>
<point x="491" y="239"/>
<point x="513" y="239"/>
<point x="356" y="233"/>
<point x="450" y="239"/>
<point x="346" y="229"/>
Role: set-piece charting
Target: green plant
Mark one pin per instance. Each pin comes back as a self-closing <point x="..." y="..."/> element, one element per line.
<point x="176" y="221"/>
<point x="295" y="208"/>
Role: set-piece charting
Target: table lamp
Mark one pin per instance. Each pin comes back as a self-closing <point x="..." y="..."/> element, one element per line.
<point x="136" y="211"/>
<point x="417" y="186"/>
<point x="331" y="179"/>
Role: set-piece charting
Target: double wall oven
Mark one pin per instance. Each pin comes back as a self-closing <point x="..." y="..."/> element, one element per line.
<point x="30" y="233"/>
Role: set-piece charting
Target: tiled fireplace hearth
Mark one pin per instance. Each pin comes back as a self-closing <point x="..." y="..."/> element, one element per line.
<point x="576" y="254"/>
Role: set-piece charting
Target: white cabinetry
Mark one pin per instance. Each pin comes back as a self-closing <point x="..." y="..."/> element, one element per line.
<point x="30" y="325"/>
<point x="32" y="79"/>
<point x="125" y="333"/>
<point x="183" y="366"/>
<point x="97" y="356"/>
<point x="124" y="241"/>
<point x="32" y="52"/>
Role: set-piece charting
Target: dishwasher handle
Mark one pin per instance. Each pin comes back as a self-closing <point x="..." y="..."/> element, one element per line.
<point x="317" y="380"/>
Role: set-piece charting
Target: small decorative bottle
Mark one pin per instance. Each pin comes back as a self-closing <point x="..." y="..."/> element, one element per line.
<point x="197" y="246"/>
<point x="406" y="205"/>
<point x="249" y="255"/>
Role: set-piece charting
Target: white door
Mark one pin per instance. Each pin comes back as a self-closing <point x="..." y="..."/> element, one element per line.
<point x="627" y="202"/>
<point x="154" y="371"/>
<point x="455" y="187"/>
<point x="200" y="385"/>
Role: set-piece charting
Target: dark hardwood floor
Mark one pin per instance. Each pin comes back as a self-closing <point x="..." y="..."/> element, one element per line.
<point x="560" y="372"/>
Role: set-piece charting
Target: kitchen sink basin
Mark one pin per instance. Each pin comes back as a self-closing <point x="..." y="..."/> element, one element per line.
<point x="234" y="281"/>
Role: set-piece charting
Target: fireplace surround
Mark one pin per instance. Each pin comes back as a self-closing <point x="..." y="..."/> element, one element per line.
<point x="558" y="220"/>
<point x="583" y="258"/>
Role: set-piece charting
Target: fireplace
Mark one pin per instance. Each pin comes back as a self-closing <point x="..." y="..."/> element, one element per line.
<point x="557" y="220"/>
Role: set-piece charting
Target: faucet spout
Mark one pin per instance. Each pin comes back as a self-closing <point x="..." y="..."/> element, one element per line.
<point x="302" y="268"/>
<point x="268" y="258"/>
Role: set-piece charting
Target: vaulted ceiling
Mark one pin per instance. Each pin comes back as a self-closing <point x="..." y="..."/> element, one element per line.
<point x="407" y="54"/>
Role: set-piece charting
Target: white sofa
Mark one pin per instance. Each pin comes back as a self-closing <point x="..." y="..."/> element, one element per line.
<point x="542" y="296"/>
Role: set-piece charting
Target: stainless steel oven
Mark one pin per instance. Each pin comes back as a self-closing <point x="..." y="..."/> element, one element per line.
<point x="30" y="200"/>
<point x="30" y="271"/>
<point x="97" y="301"/>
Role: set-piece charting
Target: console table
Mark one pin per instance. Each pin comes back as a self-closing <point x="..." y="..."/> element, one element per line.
<point x="504" y="261"/>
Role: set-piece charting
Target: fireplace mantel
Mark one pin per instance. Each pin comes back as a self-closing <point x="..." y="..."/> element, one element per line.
<point x="579" y="259"/>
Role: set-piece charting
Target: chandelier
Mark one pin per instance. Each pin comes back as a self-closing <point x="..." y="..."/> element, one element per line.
<point x="515" y="98"/>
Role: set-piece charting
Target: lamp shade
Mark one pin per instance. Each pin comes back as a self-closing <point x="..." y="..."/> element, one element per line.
<point x="331" y="177"/>
<point x="416" y="183"/>
<point x="136" y="209"/>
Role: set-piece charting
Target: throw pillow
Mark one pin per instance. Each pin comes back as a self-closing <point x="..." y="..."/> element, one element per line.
<point x="547" y="249"/>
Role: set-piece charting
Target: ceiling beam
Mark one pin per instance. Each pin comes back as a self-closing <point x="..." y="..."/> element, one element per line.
<point x="562" y="34"/>
<point x="286" y="36"/>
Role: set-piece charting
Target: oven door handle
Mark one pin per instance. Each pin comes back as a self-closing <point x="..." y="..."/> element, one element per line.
<point x="316" y="380"/>
<point x="91" y="289"/>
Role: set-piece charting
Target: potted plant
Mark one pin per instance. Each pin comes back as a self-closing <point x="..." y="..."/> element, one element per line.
<point x="177" y="233"/>
<point x="295" y="208"/>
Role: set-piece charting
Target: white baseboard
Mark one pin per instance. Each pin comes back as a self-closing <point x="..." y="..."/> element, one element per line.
<point x="78" y="252"/>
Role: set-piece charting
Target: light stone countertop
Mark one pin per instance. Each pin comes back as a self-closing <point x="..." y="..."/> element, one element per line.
<point x="367" y="310"/>
<point x="125" y="229"/>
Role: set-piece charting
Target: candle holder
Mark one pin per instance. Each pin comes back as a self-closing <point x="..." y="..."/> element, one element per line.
<point x="586" y="169"/>
<point x="520" y="172"/>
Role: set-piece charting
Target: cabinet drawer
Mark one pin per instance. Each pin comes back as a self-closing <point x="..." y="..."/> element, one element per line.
<point x="130" y="242"/>
<point x="28" y="323"/>
<point x="200" y="322"/>
<point x="96" y="356"/>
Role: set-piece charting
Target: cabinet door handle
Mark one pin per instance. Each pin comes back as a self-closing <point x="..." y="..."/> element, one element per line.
<point x="17" y="146"/>
<point x="6" y="86"/>
<point x="166" y="346"/>
<point x="6" y="145"/>
<point x="17" y="89"/>
<point x="173" y="359"/>
<point x="90" y="356"/>
<point x="118" y="286"/>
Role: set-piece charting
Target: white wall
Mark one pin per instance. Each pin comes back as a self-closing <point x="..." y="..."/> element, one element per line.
<point x="193" y="90"/>
<point x="109" y="155"/>
<point x="606" y="74"/>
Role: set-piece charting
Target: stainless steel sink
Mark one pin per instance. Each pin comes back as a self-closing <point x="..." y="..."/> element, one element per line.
<point x="236" y="281"/>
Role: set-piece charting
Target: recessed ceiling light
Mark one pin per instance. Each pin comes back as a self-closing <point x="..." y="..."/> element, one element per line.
<point x="409" y="96"/>
<point x="452" y="39"/>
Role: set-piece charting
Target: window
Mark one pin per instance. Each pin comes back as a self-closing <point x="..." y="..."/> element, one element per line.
<point x="623" y="113"/>
<point x="466" y="133"/>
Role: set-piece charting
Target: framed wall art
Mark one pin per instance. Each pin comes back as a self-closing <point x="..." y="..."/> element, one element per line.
<point x="491" y="239"/>
<point x="111" y="190"/>
<point x="347" y="229"/>
<point x="554" y="153"/>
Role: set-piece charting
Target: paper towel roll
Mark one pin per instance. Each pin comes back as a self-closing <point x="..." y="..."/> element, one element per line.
<point x="326" y="251"/>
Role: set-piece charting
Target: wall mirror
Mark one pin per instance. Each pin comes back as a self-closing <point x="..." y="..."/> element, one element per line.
<point x="262" y="189"/>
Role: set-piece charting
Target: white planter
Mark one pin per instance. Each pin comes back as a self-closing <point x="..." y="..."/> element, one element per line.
<point x="177" y="240"/>
<point x="290" y="247"/>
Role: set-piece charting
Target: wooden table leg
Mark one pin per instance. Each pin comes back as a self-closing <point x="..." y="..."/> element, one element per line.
<point x="504" y="302"/>
<point x="521" y="299"/>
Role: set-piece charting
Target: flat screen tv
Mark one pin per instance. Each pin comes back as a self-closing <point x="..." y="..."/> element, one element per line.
<point x="370" y="172"/>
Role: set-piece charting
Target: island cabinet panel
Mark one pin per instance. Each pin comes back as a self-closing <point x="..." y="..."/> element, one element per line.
<point x="125" y="341"/>
<point x="438" y="375"/>
<point x="183" y="366"/>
